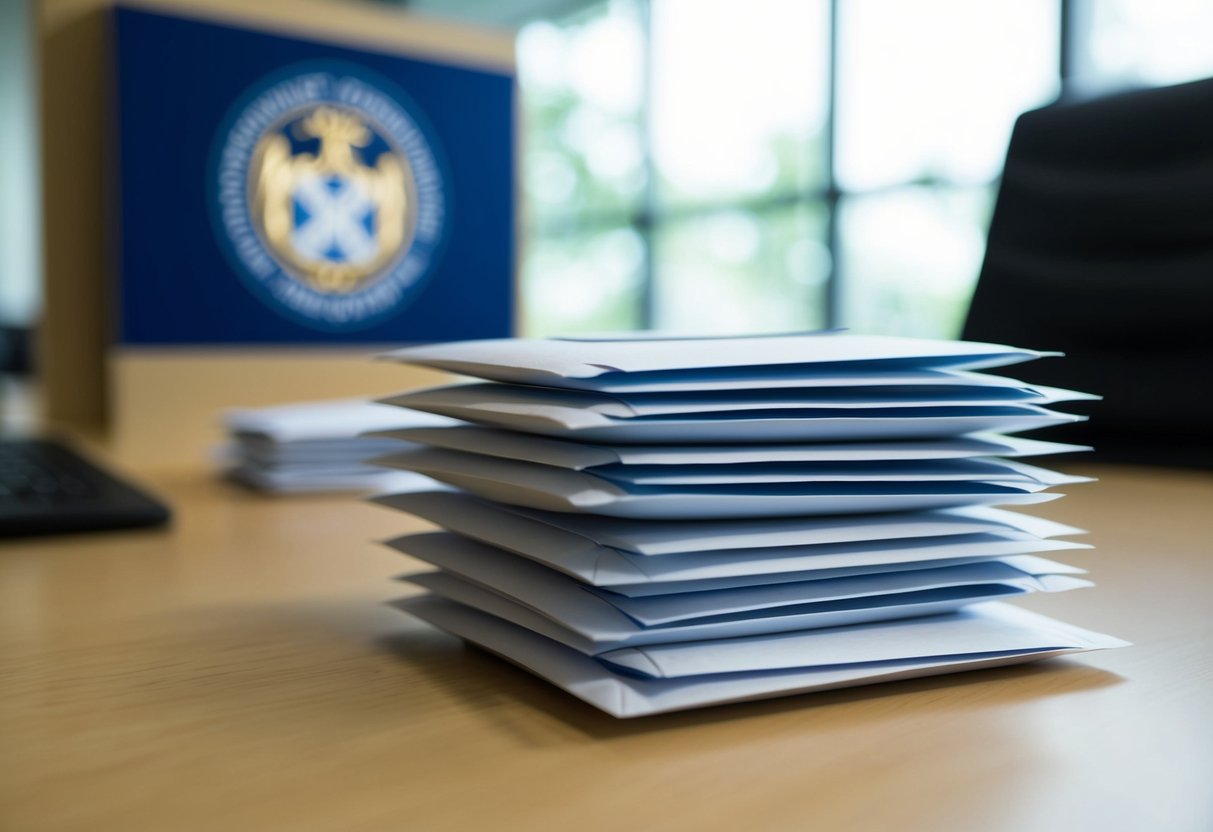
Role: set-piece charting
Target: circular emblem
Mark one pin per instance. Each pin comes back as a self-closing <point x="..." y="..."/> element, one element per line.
<point x="331" y="201"/>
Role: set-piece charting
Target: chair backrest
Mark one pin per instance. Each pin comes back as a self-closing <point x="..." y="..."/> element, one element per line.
<point x="1101" y="245"/>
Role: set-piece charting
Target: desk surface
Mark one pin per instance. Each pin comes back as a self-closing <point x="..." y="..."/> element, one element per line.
<point x="239" y="672"/>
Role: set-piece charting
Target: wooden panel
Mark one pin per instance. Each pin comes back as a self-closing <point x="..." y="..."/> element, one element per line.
<point x="73" y="335"/>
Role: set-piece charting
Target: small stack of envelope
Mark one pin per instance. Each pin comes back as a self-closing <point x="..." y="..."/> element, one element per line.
<point x="657" y="524"/>
<point x="318" y="446"/>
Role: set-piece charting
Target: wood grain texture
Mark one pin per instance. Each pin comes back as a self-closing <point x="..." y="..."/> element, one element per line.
<point x="239" y="672"/>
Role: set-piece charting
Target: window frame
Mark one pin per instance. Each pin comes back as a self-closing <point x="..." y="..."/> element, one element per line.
<point x="649" y="215"/>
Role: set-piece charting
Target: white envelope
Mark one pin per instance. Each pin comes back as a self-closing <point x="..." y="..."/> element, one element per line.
<point x="941" y="636"/>
<point x="263" y="450"/>
<point x="911" y="471"/>
<point x="660" y="610"/>
<point x="526" y="447"/>
<point x="550" y="593"/>
<point x="622" y="571"/>
<point x="795" y="376"/>
<point x="307" y="479"/>
<point x="596" y="630"/>
<point x="558" y="489"/>
<point x="768" y="470"/>
<point x="662" y="585"/>
<point x="321" y="420"/>
<point x="500" y="405"/>
<point x="526" y="531"/>
<point x="577" y="362"/>
<point x="632" y="405"/>
<point x="626" y="695"/>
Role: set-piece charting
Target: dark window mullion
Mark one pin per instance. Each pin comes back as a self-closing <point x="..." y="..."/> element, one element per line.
<point x="833" y="288"/>
<point x="1066" y="43"/>
<point x="644" y="220"/>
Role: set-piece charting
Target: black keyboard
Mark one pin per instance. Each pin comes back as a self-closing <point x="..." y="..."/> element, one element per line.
<point x="47" y="487"/>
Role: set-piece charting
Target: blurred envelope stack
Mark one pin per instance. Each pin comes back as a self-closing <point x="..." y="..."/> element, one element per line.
<point x="659" y="524"/>
<point x="319" y="446"/>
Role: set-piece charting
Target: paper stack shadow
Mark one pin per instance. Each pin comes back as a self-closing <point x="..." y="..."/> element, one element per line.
<point x="660" y="524"/>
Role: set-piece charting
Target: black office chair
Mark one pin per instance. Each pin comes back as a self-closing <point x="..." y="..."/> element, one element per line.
<point x="1101" y="245"/>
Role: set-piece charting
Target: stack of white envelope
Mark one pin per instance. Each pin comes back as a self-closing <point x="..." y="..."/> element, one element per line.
<point x="318" y="446"/>
<point x="662" y="524"/>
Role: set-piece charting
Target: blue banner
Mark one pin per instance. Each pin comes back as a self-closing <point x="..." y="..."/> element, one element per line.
<point x="274" y="190"/>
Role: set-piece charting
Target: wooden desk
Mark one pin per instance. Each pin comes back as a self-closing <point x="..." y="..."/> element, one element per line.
<point x="239" y="673"/>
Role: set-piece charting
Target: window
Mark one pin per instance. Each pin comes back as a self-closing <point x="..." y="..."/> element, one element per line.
<point x="715" y="167"/>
